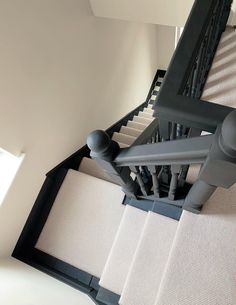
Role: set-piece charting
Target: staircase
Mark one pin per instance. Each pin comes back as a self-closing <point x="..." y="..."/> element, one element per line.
<point x="125" y="247"/>
<point x="89" y="227"/>
<point x="123" y="227"/>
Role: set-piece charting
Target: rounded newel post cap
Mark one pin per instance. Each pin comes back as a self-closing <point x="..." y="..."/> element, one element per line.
<point x="98" y="141"/>
<point x="228" y="135"/>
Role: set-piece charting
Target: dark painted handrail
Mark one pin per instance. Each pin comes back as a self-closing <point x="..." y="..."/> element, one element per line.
<point x="216" y="153"/>
<point x="184" y="151"/>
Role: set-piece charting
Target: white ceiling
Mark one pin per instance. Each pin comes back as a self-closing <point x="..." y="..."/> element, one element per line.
<point x="172" y="13"/>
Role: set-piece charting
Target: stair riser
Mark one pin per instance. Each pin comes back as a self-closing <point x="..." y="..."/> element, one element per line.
<point x="130" y="131"/>
<point x="145" y="115"/>
<point x="136" y="125"/>
<point x="141" y="120"/>
<point x="123" y="138"/>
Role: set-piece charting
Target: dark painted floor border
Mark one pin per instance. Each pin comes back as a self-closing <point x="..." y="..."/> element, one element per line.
<point x="107" y="297"/>
<point x="75" y="279"/>
<point x="158" y="207"/>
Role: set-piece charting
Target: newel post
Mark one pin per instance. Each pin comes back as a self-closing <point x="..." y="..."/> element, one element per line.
<point x="219" y="169"/>
<point x="104" y="151"/>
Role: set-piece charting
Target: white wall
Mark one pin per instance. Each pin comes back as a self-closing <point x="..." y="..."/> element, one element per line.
<point x="63" y="73"/>
<point x="232" y="17"/>
<point x="23" y="285"/>
<point x="172" y="13"/>
<point x="166" y="43"/>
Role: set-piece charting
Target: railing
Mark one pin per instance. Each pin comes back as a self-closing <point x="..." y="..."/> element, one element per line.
<point x="160" y="169"/>
<point x="179" y="97"/>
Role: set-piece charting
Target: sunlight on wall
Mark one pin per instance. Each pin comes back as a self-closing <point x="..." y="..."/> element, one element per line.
<point x="9" y="164"/>
<point x="178" y="33"/>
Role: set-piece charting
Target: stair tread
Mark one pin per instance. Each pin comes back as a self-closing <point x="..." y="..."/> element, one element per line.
<point x="123" y="138"/>
<point x="150" y="118"/>
<point x="91" y="167"/>
<point x="123" y="249"/>
<point x="123" y="145"/>
<point x="149" y="261"/>
<point x="141" y="120"/>
<point x="130" y="131"/>
<point x="86" y="213"/>
<point x="153" y="97"/>
<point x="148" y="110"/>
<point x="145" y="115"/>
<point x="136" y="125"/>
<point x="201" y="266"/>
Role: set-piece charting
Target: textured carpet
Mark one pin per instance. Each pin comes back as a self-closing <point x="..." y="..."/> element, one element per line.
<point x="124" y="246"/>
<point x="202" y="265"/>
<point x="83" y="221"/>
<point x="149" y="261"/>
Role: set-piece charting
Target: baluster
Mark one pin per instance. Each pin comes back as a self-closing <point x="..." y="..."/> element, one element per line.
<point x="158" y="135"/>
<point x="205" y="64"/>
<point x="175" y="169"/>
<point x="195" y="76"/>
<point x="104" y="151"/>
<point x="164" y="174"/>
<point x="173" y="131"/>
<point x="145" y="174"/>
<point x="209" y="40"/>
<point x="155" y="181"/>
<point x="201" y="69"/>
<point x="179" y="131"/>
<point x="153" y="139"/>
<point x="143" y="186"/>
<point x="190" y="85"/>
<point x="218" y="24"/>
<point x="183" y="175"/>
<point x="164" y="129"/>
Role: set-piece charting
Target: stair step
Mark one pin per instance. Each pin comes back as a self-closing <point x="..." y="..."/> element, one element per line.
<point x="136" y="125"/>
<point x="123" y="249"/>
<point x="201" y="265"/>
<point x="123" y="138"/>
<point x="122" y="145"/>
<point x="145" y="115"/>
<point x="148" y="110"/>
<point x="157" y="88"/>
<point x="150" y="117"/>
<point x="86" y="213"/>
<point x="91" y="167"/>
<point x="150" y="106"/>
<point x="153" y="97"/>
<point x="141" y="120"/>
<point x="130" y="131"/>
<point x="149" y="261"/>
